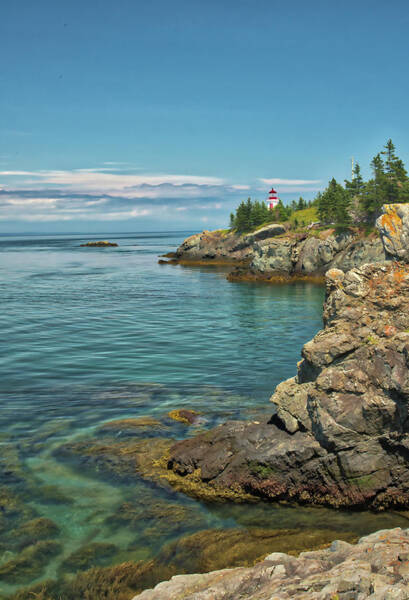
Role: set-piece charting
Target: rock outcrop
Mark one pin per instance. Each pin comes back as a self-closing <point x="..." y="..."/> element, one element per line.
<point x="306" y="255"/>
<point x="394" y="227"/>
<point x="377" y="568"/>
<point x="272" y="252"/>
<point x="339" y="432"/>
<point x="219" y="246"/>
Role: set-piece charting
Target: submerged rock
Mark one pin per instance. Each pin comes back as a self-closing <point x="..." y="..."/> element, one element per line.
<point x="377" y="567"/>
<point x="117" y="457"/>
<point x="188" y="417"/>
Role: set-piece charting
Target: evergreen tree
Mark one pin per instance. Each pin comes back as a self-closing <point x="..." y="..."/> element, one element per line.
<point x="355" y="186"/>
<point x="240" y="221"/>
<point x="281" y="210"/>
<point x="334" y="204"/>
<point x="258" y="213"/>
<point x="373" y="194"/>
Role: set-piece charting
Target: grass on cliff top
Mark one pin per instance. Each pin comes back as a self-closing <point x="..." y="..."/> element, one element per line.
<point x="305" y="216"/>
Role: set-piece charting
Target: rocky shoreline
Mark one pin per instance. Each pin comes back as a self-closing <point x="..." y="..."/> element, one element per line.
<point x="376" y="567"/>
<point x="339" y="430"/>
<point x="274" y="254"/>
<point x="338" y="436"/>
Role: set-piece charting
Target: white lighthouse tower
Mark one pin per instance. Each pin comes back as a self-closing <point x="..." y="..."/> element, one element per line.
<point x="273" y="199"/>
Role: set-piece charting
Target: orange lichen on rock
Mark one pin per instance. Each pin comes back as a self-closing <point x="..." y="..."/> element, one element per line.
<point x="390" y="220"/>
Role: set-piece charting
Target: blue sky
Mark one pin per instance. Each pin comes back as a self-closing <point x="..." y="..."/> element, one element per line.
<point x="132" y="116"/>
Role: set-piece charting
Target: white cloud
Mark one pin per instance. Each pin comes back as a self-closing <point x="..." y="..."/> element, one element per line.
<point x="289" y="182"/>
<point x="109" y="194"/>
<point x="106" y="181"/>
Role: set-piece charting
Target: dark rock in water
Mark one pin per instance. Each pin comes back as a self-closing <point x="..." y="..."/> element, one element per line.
<point x="377" y="567"/>
<point x="100" y="244"/>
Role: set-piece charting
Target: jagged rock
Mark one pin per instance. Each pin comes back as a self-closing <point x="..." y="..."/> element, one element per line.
<point x="394" y="228"/>
<point x="339" y="433"/>
<point x="376" y="568"/>
<point x="273" y="256"/>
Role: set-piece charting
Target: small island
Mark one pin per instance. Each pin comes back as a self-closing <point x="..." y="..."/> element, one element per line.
<point x="100" y="244"/>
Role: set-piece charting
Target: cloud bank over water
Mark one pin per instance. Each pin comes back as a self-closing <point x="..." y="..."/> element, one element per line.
<point x="118" y="193"/>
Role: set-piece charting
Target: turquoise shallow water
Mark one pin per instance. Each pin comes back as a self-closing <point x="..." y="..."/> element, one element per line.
<point x="89" y="335"/>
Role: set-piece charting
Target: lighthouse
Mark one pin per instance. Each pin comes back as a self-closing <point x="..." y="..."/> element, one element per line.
<point x="272" y="199"/>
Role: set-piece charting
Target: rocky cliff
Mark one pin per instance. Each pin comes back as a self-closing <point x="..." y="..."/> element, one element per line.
<point x="339" y="430"/>
<point x="272" y="251"/>
<point x="309" y="254"/>
<point x="338" y="435"/>
<point x="377" y="568"/>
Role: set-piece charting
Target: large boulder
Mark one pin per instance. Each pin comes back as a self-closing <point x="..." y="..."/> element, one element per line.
<point x="393" y="225"/>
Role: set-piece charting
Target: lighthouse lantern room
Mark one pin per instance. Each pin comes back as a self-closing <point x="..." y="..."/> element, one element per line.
<point x="272" y="199"/>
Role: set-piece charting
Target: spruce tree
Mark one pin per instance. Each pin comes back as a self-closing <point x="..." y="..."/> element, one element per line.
<point x="373" y="194"/>
<point x="356" y="185"/>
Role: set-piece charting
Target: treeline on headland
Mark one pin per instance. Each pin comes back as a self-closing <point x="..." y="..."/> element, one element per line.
<point x="357" y="202"/>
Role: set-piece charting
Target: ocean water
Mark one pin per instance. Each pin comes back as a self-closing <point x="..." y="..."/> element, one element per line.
<point x="91" y="335"/>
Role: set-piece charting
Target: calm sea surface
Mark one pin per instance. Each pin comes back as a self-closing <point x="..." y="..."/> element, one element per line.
<point x="88" y="335"/>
